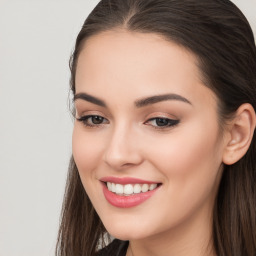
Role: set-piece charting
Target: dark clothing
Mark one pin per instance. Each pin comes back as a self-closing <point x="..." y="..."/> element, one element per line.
<point x="116" y="248"/>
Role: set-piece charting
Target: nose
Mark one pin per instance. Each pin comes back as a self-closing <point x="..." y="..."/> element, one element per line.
<point x="122" y="150"/>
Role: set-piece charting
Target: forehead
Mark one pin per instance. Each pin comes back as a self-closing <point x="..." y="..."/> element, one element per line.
<point x="136" y="64"/>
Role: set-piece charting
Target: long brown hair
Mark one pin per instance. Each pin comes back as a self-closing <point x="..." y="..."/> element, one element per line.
<point x="220" y="36"/>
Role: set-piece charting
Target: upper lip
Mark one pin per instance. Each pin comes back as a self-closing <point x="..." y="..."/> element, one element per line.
<point x="127" y="180"/>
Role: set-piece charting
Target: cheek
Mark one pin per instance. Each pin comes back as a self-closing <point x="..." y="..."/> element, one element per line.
<point x="190" y="161"/>
<point x="87" y="151"/>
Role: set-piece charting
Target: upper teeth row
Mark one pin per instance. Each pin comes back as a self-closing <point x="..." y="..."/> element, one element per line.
<point x="129" y="189"/>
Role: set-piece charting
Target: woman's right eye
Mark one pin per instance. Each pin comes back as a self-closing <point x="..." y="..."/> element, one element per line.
<point x="92" y="120"/>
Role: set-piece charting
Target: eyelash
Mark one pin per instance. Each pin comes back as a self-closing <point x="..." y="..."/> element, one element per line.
<point x="84" y="120"/>
<point x="169" y="122"/>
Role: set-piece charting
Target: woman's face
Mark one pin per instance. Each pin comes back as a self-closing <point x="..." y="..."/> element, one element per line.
<point x="146" y="122"/>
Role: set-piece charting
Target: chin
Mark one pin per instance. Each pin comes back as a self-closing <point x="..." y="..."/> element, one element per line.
<point x="127" y="232"/>
<point x="121" y="235"/>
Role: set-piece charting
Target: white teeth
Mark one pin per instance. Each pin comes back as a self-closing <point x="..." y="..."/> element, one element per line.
<point x="152" y="186"/>
<point x="144" y="188"/>
<point x="113" y="187"/>
<point x="136" y="189"/>
<point x="119" y="189"/>
<point x="109" y="185"/>
<point x="130" y="189"/>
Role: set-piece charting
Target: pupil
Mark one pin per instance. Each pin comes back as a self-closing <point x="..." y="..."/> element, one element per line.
<point x="161" y="122"/>
<point x="97" y="119"/>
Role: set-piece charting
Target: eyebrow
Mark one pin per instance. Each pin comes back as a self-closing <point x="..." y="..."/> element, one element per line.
<point x="138" y="103"/>
<point x="89" y="98"/>
<point x="159" y="98"/>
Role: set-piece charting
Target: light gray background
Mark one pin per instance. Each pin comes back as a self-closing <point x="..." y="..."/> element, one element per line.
<point x="36" y="40"/>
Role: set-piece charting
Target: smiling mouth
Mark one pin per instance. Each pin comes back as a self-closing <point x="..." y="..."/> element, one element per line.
<point x="130" y="189"/>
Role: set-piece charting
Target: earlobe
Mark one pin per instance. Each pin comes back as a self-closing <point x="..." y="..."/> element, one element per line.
<point x="240" y="134"/>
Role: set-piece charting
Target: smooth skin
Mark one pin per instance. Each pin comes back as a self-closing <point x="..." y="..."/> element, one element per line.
<point x="175" y="142"/>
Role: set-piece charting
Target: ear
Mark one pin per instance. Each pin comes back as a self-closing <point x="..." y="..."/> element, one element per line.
<point x="240" y="133"/>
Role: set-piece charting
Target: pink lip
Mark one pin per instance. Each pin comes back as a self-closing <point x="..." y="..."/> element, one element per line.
<point x="126" y="201"/>
<point x="126" y="180"/>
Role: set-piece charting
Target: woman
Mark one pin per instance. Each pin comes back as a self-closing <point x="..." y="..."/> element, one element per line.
<point x="163" y="142"/>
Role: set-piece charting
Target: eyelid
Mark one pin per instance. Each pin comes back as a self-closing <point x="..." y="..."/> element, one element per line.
<point x="87" y="112"/>
<point x="84" y="120"/>
<point x="161" y="115"/>
<point x="171" y="122"/>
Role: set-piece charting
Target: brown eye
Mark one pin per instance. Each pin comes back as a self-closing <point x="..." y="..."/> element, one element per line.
<point x="92" y="120"/>
<point x="161" y="122"/>
<point x="97" y="119"/>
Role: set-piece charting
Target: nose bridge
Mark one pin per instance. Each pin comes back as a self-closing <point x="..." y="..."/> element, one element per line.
<point x="122" y="149"/>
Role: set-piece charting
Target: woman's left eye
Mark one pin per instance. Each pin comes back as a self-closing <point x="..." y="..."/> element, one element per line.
<point x="162" y="122"/>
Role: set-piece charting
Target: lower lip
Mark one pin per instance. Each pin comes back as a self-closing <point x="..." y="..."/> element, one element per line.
<point x="126" y="201"/>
